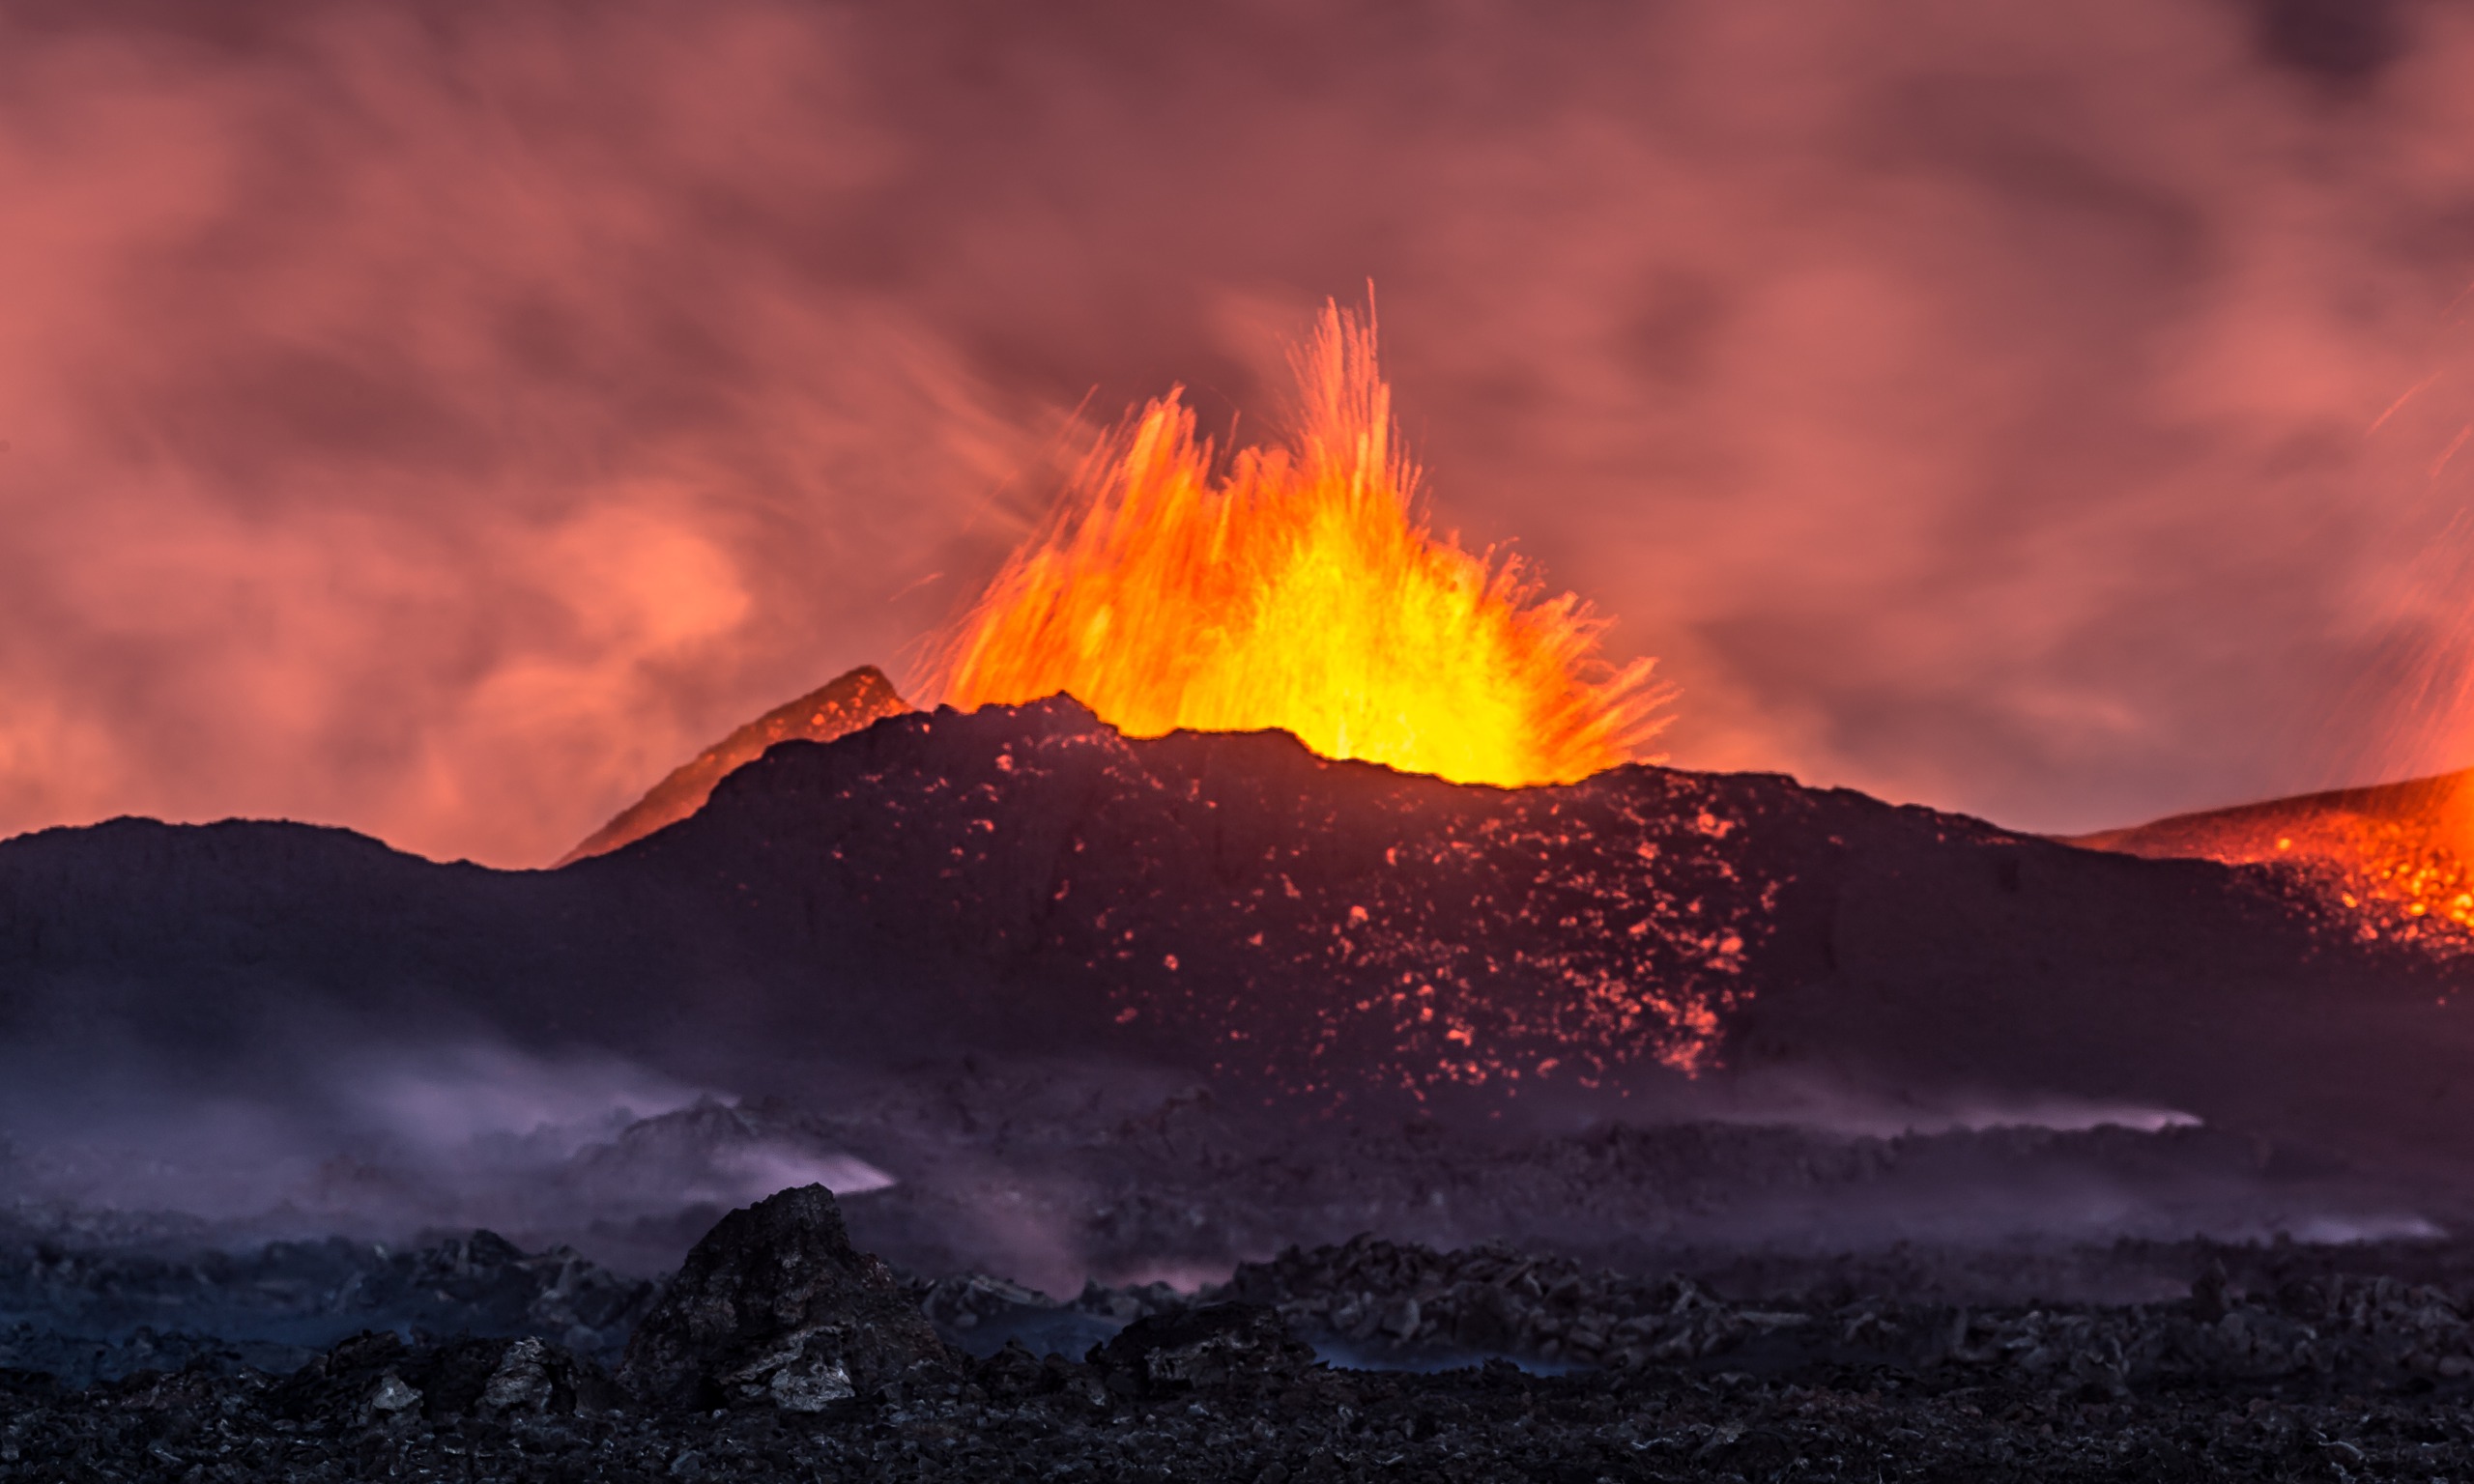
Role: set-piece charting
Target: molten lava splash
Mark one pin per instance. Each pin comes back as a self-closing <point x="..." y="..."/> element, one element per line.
<point x="1301" y="592"/>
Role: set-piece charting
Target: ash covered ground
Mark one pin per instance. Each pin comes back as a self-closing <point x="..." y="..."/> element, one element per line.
<point x="1666" y="1124"/>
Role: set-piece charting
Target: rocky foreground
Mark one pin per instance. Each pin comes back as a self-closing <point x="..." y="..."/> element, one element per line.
<point x="780" y="1351"/>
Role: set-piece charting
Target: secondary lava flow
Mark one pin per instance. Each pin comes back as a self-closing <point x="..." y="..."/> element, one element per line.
<point x="1304" y="590"/>
<point x="2396" y="859"/>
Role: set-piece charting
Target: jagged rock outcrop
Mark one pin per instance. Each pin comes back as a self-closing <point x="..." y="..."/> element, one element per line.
<point x="776" y="1307"/>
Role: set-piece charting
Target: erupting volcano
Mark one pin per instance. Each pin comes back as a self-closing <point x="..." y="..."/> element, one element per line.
<point x="1300" y="589"/>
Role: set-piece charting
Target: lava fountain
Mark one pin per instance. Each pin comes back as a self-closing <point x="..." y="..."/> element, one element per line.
<point x="1302" y="589"/>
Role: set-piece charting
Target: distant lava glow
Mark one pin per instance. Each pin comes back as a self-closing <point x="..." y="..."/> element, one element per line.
<point x="1302" y="591"/>
<point x="2394" y="861"/>
<point x="2405" y="881"/>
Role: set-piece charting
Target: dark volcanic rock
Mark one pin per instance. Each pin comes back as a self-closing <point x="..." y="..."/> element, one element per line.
<point x="2325" y="1381"/>
<point x="2337" y="1362"/>
<point x="89" y="1304"/>
<point x="1227" y="1346"/>
<point x="776" y="1306"/>
<point x="370" y="1376"/>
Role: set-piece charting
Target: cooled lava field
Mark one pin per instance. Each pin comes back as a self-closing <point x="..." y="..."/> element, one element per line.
<point x="780" y="1351"/>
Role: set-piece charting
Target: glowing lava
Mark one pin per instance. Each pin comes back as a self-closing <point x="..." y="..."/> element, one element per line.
<point x="1301" y="590"/>
<point x="2396" y="859"/>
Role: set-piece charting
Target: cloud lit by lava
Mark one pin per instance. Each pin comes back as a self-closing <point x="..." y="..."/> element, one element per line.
<point x="441" y="420"/>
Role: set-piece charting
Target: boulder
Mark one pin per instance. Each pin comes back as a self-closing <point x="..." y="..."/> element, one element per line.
<point x="375" y="1379"/>
<point x="1218" y="1346"/>
<point x="775" y="1307"/>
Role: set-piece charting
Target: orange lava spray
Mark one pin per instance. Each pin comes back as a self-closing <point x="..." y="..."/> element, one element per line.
<point x="1304" y="590"/>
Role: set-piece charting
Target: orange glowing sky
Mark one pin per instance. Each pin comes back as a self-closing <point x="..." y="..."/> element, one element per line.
<point x="442" y="419"/>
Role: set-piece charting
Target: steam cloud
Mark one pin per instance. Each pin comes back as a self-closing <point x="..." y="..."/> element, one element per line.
<point x="441" y="420"/>
<point x="393" y="1140"/>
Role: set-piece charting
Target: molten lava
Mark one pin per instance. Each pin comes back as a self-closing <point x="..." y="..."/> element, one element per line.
<point x="1302" y="591"/>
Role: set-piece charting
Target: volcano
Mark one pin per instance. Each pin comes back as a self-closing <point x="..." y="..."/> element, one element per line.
<point x="1288" y="942"/>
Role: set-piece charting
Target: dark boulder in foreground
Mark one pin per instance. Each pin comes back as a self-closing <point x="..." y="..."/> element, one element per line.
<point x="1213" y="1347"/>
<point x="375" y="1379"/>
<point x="776" y="1306"/>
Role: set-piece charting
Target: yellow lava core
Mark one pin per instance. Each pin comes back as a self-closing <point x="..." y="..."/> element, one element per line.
<point x="1302" y="591"/>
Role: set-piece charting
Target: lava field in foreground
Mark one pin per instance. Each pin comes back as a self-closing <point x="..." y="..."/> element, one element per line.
<point x="780" y="1353"/>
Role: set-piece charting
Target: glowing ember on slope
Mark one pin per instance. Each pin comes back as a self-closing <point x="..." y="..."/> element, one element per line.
<point x="1301" y="592"/>
<point x="2404" y="881"/>
<point x="2396" y="859"/>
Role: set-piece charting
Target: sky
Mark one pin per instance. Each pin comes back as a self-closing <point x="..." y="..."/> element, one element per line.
<point x="441" y="420"/>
